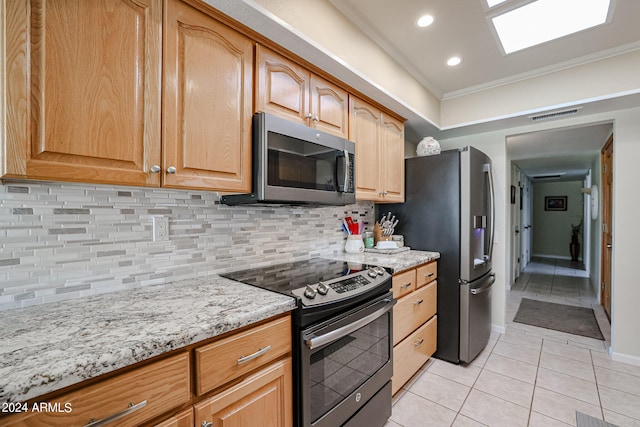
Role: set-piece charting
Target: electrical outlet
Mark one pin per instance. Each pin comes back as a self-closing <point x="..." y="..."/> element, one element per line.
<point x="160" y="228"/>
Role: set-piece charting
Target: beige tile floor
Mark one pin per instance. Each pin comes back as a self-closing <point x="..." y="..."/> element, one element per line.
<point x="528" y="376"/>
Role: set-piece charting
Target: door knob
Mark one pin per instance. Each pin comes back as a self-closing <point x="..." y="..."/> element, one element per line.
<point x="609" y="246"/>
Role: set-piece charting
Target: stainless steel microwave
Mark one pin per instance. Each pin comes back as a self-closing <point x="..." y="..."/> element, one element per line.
<point x="296" y="164"/>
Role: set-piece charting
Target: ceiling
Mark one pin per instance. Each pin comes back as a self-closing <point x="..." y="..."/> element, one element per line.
<point x="463" y="28"/>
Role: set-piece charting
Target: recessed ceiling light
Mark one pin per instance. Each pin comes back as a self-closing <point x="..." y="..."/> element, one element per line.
<point x="425" y="21"/>
<point x="453" y="61"/>
<point x="545" y="20"/>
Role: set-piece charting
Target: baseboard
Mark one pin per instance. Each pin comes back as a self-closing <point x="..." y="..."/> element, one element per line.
<point x="498" y="329"/>
<point x="568" y="258"/>
<point x="624" y="358"/>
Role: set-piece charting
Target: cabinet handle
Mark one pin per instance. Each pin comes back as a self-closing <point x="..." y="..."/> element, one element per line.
<point x="206" y="424"/>
<point x="405" y="286"/>
<point x="418" y="302"/>
<point x="316" y="119"/>
<point x="172" y="169"/>
<point x="260" y="352"/>
<point x="418" y="343"/>
<point x="133" y="407"/>
<point x="429" y="275"/>
<point x="155" y="169"/>
<point x="308" y="116"/>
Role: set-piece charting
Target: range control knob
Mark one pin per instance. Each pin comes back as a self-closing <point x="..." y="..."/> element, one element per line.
<point x="322" y="288"/>
<point x="309" y="292"/>
<point x="380" y="270"/>
<point x="372" y="272"/>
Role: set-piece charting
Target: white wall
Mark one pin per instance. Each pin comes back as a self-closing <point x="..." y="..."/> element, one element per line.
<point x="626" y="237"/>
<point x="626" y="204"/>
<point x="552" y="229"/>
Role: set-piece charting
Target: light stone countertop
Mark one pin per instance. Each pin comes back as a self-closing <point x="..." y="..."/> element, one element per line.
<point x="47" y="347"/>
<point x="397" y="263"/>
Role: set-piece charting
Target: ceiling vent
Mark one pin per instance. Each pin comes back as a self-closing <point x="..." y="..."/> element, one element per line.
<point x="555" y="115"/>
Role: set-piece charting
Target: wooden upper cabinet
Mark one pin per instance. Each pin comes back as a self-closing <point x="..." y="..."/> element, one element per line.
<point x="392" y="159"/>
<point x="84" y="90"/>
<point x="287" y="90"/>
<point x="208" y="74"/>
<point x="379" y="141"/>
<point x="364" y="130"/>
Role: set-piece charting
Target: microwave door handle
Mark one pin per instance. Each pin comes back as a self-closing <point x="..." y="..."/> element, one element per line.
<point x="487" y="170"/>
<point x="343" y="181"/>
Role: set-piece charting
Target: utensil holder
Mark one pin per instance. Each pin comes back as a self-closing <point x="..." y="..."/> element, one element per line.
<point x="354" y="244"/>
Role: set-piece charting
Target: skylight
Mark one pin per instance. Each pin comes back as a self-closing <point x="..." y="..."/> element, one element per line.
<point x="545" y="20"/>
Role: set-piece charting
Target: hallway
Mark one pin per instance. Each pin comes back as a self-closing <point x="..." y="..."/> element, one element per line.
<point x="528" y="376"/>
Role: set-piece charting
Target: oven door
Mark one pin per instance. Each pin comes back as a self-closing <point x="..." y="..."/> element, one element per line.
<point x="345" y="361"/>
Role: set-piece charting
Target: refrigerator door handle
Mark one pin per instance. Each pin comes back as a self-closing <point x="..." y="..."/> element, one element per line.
<point x="487" y="169"/>
<point x="486" y="287"/>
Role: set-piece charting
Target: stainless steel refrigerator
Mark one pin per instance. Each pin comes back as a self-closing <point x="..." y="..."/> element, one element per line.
<point x="449" y="208"/>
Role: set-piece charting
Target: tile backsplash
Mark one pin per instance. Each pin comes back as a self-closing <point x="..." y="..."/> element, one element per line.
<point x="61" y="241"/>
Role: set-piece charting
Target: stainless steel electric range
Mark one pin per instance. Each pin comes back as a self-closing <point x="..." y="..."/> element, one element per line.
<point x="342" y="335"/>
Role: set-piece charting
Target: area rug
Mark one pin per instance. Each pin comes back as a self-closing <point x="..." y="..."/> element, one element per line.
<point x="559" y="317"/>
<point x="584" y="420"/>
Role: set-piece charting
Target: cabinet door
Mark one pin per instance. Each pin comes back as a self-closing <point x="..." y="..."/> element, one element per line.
<point x="392" y="160"/>
<point x="208" y="71"/>
<point x="329" y="107"/>
<point x="282" y="87"/>
<point x="84" y="90"/>
<point x="364" y="130"/>
<point x="263" y="399"/>
<point x="181" y="419"/>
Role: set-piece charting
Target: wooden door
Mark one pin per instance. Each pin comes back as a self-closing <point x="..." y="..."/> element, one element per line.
<point x="262" y="400"/>
<point x="364" y="131"/>
<point x="607" y="226"/>
<point x="329" y="107"/>
<point x="282" y="87"/>
<point x="84" y="90"/>
<point x="392" y="160"/>
<point x="208" y="74"/>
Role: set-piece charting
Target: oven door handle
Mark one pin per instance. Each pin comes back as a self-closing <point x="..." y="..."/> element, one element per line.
<point x="334" y="335"/>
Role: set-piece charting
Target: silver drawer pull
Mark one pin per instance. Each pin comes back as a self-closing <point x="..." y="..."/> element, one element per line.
<point x="260" y="352"/>
<point x="405" y="286"/>
<point x="418" y="343"/>
<point x="418" y="302"/>
<point x="133" y="407"/>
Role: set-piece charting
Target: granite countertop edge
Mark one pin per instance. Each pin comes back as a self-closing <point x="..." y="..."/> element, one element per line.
<point x="48" y="347"/>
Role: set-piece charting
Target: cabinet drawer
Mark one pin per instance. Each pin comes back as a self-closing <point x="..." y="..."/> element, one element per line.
<point x="229" y="358"/>
<point x="413" y="352"/>
<point x="162" y="385"/>
<point x="413" y="310"/>
<point x="426" y="273"/>
<point x="404" y="283"/>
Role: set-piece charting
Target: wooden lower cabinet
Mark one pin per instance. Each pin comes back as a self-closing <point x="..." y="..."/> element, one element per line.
<point x="263" y="399"/>
<point x="181" y="419"/>
<point x="414" y="321"/>
<point x="154" y="389"/>
<point x="413" y="352"/>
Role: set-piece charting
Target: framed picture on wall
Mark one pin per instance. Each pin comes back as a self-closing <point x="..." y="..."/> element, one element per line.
<point x="555" y="203"/>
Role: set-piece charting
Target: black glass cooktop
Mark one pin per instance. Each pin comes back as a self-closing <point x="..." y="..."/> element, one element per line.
<point x="287" y="277"/>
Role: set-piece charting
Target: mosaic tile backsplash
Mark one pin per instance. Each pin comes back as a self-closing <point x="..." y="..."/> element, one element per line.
<point x="62" y="241"/>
